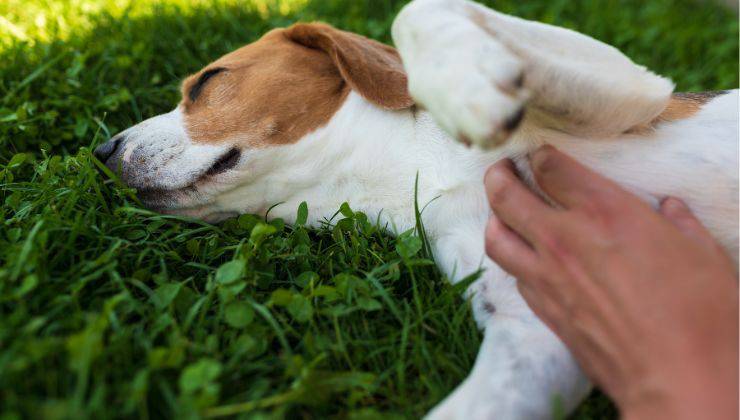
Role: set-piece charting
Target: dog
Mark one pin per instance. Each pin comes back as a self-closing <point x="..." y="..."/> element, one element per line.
<point x="312" y="113"/>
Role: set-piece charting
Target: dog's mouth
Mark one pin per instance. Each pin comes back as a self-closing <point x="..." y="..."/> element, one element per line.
<point x="227" y="161"/>
<point x="190" y="196"/>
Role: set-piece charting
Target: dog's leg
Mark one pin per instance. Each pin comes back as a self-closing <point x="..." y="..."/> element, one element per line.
<point x="476" y="69"/>
<point x="523" y="371"/>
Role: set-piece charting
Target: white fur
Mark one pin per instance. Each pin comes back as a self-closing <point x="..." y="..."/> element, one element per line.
<point x="370" y="157"/>
<point x="162" y="154"/>
<point x="573" y="81"/>
<point x="583" y="96"/>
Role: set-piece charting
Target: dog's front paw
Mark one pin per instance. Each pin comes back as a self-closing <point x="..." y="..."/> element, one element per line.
<point x="472" y="85"/>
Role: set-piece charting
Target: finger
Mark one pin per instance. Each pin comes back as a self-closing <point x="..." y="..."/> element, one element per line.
<point x="585" y="348"/>
<point x="509" y="250"/>
<point x="545" y="309"/>
<point x="571" y="184"/>
<point x="514" y="204"/>
<point x="679" y="214"/>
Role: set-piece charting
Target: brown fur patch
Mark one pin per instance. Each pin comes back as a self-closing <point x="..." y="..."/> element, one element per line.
<point x="289" y="83"/>
<point x="273" y="91"/>
<point x="682" y="105"/>
<point x="685" y="104"/>
<point x="372" y="69"/>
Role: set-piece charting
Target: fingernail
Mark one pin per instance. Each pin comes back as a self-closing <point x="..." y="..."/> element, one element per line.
<point x="493" y="177"/>
<point x="673" y="205"/>
<point x="506" y="163"/>
<point x="540" y="155"/>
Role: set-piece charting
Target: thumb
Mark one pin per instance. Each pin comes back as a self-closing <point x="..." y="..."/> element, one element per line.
<point x="679" y="214"/>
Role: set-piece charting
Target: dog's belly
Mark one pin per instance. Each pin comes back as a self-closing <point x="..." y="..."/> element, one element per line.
<point x="695" y="159"/>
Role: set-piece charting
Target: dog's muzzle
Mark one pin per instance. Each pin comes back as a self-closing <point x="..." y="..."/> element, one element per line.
<point x="108" y="152"/>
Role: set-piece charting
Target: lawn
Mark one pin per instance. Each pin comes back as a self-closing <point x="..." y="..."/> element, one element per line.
<point x="108" y="310"/>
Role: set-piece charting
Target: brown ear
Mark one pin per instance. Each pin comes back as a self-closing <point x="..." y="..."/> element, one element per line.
<point x="372" y="69"/>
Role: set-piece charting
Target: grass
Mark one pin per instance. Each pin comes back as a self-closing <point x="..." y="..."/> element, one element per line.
<point x="108" y="310"/>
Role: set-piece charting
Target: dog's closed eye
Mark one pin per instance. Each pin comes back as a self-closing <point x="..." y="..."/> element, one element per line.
<point x="197" y="88"/>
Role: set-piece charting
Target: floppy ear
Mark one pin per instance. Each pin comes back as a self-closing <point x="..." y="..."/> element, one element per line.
<point x="372" y="69"/>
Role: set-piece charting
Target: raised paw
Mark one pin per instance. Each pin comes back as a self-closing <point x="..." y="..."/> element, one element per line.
<point x="471" y="84"/>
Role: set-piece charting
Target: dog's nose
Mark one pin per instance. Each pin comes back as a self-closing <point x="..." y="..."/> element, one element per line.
<point x="107" y="149"/>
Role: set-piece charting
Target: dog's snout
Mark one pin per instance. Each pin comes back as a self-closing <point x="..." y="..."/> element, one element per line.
<point x="104" y="151"/>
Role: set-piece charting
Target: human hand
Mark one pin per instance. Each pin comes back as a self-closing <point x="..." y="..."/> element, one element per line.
<point x="647" y="301"/>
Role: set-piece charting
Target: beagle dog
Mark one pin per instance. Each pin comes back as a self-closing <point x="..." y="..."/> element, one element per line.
<point x="312" y="113"/>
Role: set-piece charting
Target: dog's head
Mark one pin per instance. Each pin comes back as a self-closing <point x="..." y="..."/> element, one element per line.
<point x="267" y="95"/>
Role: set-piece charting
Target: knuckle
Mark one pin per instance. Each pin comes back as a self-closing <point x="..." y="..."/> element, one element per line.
<point x="591" y="209"/>
<point x="599" y="218"/>
<point x="598" y="208"/>
<point x="552" y="243"/>
<point x="491" y="243"/>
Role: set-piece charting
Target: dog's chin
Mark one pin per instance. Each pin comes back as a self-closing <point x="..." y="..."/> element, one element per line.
<point x="207" y="215"/>
<point x="218" y="216"/>
<point x="184" y="202"/>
